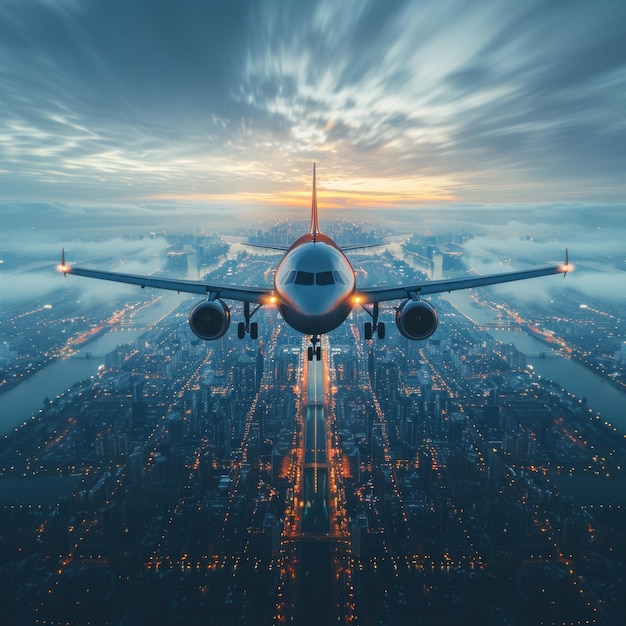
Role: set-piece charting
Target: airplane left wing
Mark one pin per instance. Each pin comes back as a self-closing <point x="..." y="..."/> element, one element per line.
<point x="231" y="292"/>
<point x="380" y="294"/>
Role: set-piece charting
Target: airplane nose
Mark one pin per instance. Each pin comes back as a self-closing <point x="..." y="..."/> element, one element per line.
<point x="317" y="303"/>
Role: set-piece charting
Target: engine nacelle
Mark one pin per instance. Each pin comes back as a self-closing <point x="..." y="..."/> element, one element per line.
<point x="416" y="319"/>
<point x="209" y="319"/>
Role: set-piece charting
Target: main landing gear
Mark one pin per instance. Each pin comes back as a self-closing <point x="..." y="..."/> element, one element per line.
<point x="314" y="350"/>
<point x="374" y="326"/>
<point x="248" y="327"/>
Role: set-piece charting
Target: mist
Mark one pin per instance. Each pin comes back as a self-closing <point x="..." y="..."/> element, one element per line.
<point x="497" y="238"/>
<point x="29" y="264"/>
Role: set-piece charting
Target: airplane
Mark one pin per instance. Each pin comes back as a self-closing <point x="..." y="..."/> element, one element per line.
<point x="314" y="290"/>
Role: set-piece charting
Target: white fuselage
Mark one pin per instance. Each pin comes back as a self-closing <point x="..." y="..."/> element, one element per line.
<point x="314" y="284"/>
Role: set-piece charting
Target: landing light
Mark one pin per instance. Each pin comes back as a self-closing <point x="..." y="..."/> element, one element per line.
<point x="357" y="299"/>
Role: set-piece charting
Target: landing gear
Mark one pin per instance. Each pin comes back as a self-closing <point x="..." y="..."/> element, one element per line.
<point x="248" y="327"/>
<point x="315" y="350"/>
<point x="374" y="326"/>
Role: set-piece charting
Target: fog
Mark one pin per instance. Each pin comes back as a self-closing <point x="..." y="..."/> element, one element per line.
<point x="497" y="238"/>
<point x="30" y="264"/>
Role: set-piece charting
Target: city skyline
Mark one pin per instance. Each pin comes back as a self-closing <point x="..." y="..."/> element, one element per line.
<point x="468" y="475"/>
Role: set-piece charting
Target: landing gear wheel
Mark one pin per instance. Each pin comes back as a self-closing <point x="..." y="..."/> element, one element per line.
<point x="368" y="331"/>
<point x="310" y="353"/>
<point x="318" y="353"/>
<point x="254" y="330"/>
<point x="381" y="330"/>
<point x="241" y="330"/>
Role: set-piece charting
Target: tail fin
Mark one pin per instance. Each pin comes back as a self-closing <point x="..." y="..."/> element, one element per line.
<point x="315" y="229"/>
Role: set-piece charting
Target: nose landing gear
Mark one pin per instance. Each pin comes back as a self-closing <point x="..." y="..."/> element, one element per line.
<point x="314" y="350"/>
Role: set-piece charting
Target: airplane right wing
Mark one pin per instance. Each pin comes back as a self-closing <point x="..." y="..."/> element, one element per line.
<point x="380" y="294"/>
<point x="232" y="292"/>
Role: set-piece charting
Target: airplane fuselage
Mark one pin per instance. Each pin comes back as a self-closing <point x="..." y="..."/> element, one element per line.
<point x="314" y="285"/>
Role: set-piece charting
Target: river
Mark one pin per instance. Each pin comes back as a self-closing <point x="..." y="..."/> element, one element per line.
<point x="25" y="400"/>
<point x="22" y="402"/>
<point x="602" y="397"/>
<point x="42" y="491"/>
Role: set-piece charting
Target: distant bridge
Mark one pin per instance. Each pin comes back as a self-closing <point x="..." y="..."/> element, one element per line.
<point x="502" y="325"/>
<point x="131" y="326"/>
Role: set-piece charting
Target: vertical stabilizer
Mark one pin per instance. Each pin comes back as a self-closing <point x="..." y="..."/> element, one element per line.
<point x="315" y="229"/>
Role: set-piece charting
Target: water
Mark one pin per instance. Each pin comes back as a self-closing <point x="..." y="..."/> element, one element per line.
<point x="602" y="397"/>
<point x="590" y="490"/>
<point x="44" y="491"/>
<point x="19" y="404"/>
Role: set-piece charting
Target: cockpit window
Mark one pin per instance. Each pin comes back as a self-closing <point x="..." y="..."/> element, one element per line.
<point x="320" y="278"/>
<point x="304" y="278"/>
<point x="339" y="277"/>
<point x="324" y="278"/>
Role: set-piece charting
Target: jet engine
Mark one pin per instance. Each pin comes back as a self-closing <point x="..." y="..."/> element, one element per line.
<point x="416" y="319"/>
<point x="209" y="319"/>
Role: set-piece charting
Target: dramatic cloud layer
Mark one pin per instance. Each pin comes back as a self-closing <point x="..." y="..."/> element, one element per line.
<point x="228" y="103"/>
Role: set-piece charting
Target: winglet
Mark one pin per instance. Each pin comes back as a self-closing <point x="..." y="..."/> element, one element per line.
<point x="63" y="267"/>
<point x="566" y="267"/>
<point x="315" y="229"/>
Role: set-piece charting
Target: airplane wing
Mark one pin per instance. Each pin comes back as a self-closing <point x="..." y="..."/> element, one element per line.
<point x="380" y="294"/>
<point x="231" y="292"/>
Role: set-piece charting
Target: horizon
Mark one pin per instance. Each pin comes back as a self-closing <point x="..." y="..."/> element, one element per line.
<point x="400" y="106"/>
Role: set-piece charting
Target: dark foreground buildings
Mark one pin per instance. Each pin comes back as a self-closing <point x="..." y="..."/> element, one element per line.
<point x="229" y="483"/>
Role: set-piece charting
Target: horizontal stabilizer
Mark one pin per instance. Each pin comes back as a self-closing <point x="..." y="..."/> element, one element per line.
<point x="363" y="245"/>
<point x="268" y="246"/>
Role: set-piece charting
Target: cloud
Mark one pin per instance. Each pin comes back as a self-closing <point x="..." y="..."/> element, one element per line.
<point x="229" y="103"/>
<point x="30" y="270"/>
<point x="594" y="236"/>
<point x="62" y="221"/>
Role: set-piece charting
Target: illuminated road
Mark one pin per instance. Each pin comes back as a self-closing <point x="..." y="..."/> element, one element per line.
<point x="315" y="514"/>
<point x="315" y="427"/>
<point x="316" y="588"/>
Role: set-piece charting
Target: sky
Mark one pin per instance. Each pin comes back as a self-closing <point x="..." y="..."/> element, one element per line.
<point x="503" y="118"/>
<point x="140" y="104"/>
